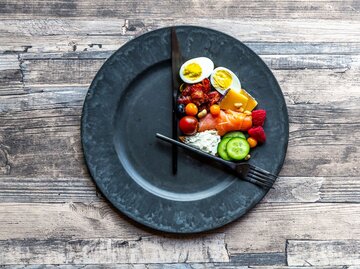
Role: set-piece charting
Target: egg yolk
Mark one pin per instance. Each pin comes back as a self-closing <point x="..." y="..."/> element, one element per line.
<point x="222" y="79"/>
<point x="192" y="71"/>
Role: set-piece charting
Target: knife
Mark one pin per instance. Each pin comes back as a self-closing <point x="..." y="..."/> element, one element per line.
<point x="175" y="67"/>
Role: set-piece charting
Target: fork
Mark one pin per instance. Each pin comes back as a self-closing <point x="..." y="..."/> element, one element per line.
<point x="246" y="171"/>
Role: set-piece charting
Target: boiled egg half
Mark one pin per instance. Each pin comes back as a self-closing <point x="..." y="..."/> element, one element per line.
<point x="196" y="69"/>
<point x="223" y="79"/>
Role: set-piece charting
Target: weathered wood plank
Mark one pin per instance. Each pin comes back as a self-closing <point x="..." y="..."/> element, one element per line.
<point x="284" y="30"/>
<point x="263" y="230"/>
<point x="55" y="71"/>
<point x="304" y="267"/>
<point x="266" y="228"/>
<point x="69" y="27"/>
<point x="79" y="68"/>
<point x="9" y="62"/>
<point x="319" y="160"/>
<point x="320" y="87"/>
<point x="48" y="190"/>
<point x="108" y="43"/>
<point x="287" y="190"/>
<point x="61" y="43"/>
<point x="339" y="112"/>
<point x="257" y="259"/>
<point x="323" y="253"/>
<point x="114" y="250"/>
<point x="43" y="100"/>
<point x="118" y="29"/>
<point x="162" y="266"/>
<point x="299" y="47"/>
<point x="58" y="153"/>
<point x="315" y="189"/>
<point x="170" y="266"/>
<point x="299" y="86"/>
<point x="184" y="9"/>
<point x="55" y="146"/>
<point x="11" y="79"/>
<point x="52" y="35"/>
<point x="187" y="265"/>
<point x="304" y="90"/>
<point x="67" y="220"/>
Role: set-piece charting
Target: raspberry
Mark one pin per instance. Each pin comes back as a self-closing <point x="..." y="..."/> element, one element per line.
<point x="258" y="117"/>
<point x="258" y="134"/>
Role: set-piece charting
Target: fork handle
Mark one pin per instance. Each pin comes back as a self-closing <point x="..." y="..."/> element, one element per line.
<point x="196" y="151"/>
<point x="229" y="165"/>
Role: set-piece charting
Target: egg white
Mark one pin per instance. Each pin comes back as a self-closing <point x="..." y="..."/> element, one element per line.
<point x="207" y="66"/>
<point x="235" y="83"/>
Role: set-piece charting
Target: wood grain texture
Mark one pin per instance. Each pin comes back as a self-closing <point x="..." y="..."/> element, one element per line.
<point x="50" y="211"/>
<point x="80" y="68"/>
<point x="74" y="71"/>
<point x="83" y="190"/>
<point x="303" y="89"/>
<point x="259" y="259"/>
<point x="323" y="253"/>
<point x="266" y="228"/>
<point x="169" y="266"/>
<point x="133" y="266"/>
<point x="48" y="190"/>
<point x="174" y="9"/>
<point x="241" y="28"/>
<point x="11" y="77"/>
<point x="252" y="234"/>
<point x="67" y="220"/>
<point x="67" y="35"/>
<point x="114" y="250"/>
<point x="315" y="189"/>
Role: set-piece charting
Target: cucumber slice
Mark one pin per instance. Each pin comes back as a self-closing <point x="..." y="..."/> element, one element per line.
<point x="221" y="149"/>
<point x="237" y="148"/>
<point x="234" y="134"/>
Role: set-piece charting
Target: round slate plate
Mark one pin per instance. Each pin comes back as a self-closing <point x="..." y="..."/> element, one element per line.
<point x="130" y="100"/>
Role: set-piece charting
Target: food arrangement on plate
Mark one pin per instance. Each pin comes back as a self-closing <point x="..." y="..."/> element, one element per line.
<point x="216" y="115"/>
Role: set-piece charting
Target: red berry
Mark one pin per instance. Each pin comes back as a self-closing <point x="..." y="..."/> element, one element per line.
<point x="258" y="134"/>
<point x="258" y="117"/>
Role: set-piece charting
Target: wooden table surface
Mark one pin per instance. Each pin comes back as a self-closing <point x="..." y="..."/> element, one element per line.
<point x="50" y="210"/>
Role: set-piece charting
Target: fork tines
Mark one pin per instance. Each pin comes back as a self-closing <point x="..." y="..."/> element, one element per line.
<point x="260" y="177"/>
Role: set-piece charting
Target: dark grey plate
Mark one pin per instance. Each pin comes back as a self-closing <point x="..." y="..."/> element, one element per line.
<point x="130" y="100"/>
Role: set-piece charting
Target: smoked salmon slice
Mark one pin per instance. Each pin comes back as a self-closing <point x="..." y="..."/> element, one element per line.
<point x="226" y="121"/>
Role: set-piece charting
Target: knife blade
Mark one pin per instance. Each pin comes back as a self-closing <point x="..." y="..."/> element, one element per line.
<point x="175" y="67"/>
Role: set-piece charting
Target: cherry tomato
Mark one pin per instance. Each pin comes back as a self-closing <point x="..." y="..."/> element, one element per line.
<point x="252" y="142"/>
<point x="188" y="125"/>
<point x="215" y="110"/>
<point x="191" y="109"/>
